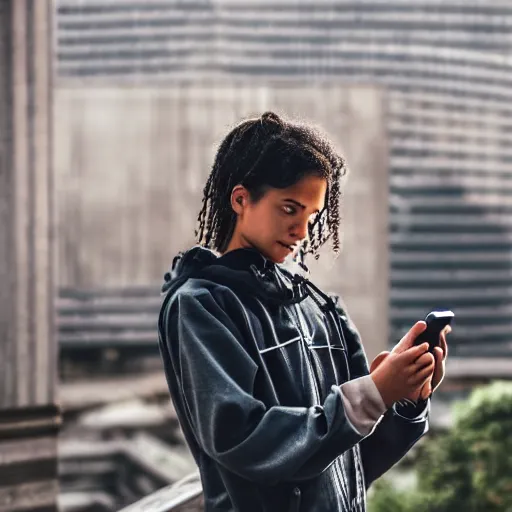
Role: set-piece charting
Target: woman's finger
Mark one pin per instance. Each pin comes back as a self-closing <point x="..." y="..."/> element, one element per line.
<point x="442" y="340"/>
<point x="424" y="360"/>
<point x="422" y="375"/>
<point x="408" y="340"/>
<point x="439" y="362"/>
<point x="412" y="354"/>
<point x="438" y="354"/>
<point x="378" y="360"/>
<point x="426" y="390"/>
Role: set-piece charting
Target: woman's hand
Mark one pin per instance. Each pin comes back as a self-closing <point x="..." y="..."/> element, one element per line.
<point x="440" y="354"/>
<point x="403" y="372"/>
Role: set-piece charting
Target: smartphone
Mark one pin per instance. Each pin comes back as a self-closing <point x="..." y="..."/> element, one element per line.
<point x="436" y="322"/>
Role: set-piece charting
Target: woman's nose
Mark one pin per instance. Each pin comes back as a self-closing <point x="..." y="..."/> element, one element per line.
<point x="300" y="230"/>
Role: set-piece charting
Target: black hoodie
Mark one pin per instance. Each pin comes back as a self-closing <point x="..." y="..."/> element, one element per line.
<point x="255" y="357"/>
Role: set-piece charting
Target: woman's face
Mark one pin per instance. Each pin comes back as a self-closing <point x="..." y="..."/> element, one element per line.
<point x="277" y="223"/>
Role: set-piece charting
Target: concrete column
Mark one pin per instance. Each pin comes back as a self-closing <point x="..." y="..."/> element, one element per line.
<point x="29" y="417"/>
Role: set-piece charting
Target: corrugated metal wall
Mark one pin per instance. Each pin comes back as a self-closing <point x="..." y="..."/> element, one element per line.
<point x="446" y="64"/>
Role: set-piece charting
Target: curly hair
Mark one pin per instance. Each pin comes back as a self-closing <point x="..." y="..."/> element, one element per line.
<point x="270" y="152"/>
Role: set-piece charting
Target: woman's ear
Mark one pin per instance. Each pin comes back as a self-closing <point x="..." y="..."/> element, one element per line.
<point x="239" y="197"/>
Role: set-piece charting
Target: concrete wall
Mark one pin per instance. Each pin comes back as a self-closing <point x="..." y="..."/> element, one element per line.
<point x="29" y="416"/>
<point x="131" y="164"/>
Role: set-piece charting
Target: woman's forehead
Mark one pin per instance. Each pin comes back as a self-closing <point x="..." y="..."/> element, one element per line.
<point x="309" y="192"/>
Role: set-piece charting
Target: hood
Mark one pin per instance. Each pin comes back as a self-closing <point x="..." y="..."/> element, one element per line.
<point x="245" y="271"/>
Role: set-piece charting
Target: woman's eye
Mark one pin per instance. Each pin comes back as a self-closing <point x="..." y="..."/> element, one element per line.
<point x="289" y="210"/>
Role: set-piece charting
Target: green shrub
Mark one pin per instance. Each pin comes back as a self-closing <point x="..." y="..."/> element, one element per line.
<point x="467" y="469"/>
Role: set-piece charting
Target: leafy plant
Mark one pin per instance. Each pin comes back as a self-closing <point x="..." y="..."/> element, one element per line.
<point x="467" y="469"/>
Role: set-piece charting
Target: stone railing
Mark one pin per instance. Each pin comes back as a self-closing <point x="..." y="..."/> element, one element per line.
<point x="183" y="496"/>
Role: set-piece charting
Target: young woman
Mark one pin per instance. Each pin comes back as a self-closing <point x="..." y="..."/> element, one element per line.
<point x="267" y="373"/>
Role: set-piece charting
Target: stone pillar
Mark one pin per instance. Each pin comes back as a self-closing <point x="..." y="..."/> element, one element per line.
<point x="29" y="417"/>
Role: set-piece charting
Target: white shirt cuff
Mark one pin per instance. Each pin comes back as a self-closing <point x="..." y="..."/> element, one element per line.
<point x="363" y="403"/>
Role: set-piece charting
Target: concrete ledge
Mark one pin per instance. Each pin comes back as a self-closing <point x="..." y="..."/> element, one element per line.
<point x="37" y="496"/>
<point x="29" y="422"/>
<point x="183" y="496"/>
<point x="28" y="459"/>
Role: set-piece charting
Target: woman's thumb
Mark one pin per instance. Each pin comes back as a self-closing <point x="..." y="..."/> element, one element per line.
<point x="378" y="360"/>
<point x="408" y="340"/>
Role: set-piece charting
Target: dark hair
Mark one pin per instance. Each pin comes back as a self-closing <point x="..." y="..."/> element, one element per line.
<point x="269" y="152"/>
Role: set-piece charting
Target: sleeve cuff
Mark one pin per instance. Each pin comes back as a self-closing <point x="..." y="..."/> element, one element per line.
<point x="412" y="410"/>
<point x="363" y="404"/>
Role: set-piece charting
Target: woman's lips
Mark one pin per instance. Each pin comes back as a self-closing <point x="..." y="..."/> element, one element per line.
<point x="291" y="248"/>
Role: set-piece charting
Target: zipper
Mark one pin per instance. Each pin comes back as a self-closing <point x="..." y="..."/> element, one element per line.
<point x="330" y="338"/>
<point x="330" y="318"/>
<point x="339" y="330"/>
<point x="312" y="367"/>
<point x="295" y="500"/>
<point x="333" y="323"/>
<point x="317" y="366"/>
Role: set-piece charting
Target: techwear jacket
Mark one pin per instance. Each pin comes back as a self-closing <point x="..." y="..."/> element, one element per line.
<point x="255" y="359"/>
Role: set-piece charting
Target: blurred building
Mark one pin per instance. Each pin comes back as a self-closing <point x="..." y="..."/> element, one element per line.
<point x="29" y="414"/>
<point x="435" y="77"/>
<point x="446" y="66"/>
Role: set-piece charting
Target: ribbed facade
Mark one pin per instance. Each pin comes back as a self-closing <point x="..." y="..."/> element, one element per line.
<point x="447" y="67"/>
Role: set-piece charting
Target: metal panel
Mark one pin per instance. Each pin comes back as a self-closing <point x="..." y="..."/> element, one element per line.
<point x="449" y="79"/>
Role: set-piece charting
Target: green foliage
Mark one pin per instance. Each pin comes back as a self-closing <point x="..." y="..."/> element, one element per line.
<point x="385" y="498"/>
<point x="467" y="469"/>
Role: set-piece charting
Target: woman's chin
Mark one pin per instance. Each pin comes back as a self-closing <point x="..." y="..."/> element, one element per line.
<point x="276" y="253"/>
<point x="281" y="254"/>
<point x="275" y="256"/>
